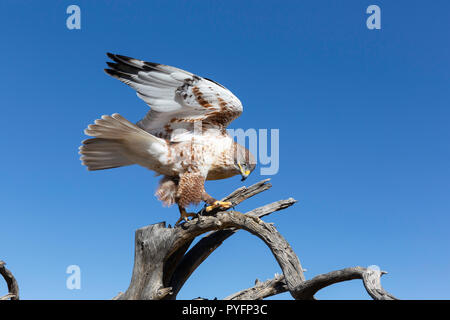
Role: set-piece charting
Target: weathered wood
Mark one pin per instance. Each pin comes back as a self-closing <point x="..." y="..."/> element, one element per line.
<point x="243" y="193"/>
<point x="372" y="283"/>
<point x="261" y="290"/>
<point x="370" y="277"/>
<point x="152" y="244"/>
<point x="155" y="244"/>
<point x="8" y="296"/>
<point x="307" y="290"/>
<point x="272" y="207"/>
<point x="203" y="248"/>
<point x="11" y="282"/>
<point x="159" y="250"/>
<point x="280" y="248"/>
<point x="163" y="261"/>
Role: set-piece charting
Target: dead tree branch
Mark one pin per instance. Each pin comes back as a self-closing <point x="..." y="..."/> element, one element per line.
<point x="243" y="193"/>
<point x="307" y="290"/>
<point x="203" y="248"/>
<point x="154" y="244"/>
<point x="282" y="251"/>
<point x="370" y="277"/>
<point x="163" y="262"/>
<point x="158" y="250"/>
<point x="181" y="264"/>
<point x="13" y="287"/>
<point x="261" y="290"/>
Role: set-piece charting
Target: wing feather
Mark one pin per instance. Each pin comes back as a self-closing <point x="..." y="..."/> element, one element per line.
<point x="176" y="97"/>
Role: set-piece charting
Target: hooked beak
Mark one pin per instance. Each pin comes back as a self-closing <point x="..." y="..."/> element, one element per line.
<point x="244" y="174"/>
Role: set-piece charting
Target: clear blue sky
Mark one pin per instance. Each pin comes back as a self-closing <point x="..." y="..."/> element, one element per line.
<point x="364" y="139"/>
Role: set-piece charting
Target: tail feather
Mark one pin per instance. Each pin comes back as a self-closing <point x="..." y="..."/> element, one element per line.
<point x="118" y="142"/>
<point x="99" y="154"/>
<point x="113" y="127"/>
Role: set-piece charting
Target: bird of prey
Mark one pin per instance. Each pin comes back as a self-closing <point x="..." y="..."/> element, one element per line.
<point x="183" y="137"/>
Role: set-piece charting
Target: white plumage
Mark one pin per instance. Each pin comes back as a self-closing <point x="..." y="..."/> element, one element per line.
<point x="182" y="137"/>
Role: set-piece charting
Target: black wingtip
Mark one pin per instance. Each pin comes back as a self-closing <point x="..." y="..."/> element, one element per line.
<point x="109" y="72"/>
<point x="124" y="77"/>
<point x="111" y="64"/>
<point x="119" y="58"/>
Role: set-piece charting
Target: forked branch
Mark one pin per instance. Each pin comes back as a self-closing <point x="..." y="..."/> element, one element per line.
<point x="206" y="246"/>
<point x="163" y="260"/>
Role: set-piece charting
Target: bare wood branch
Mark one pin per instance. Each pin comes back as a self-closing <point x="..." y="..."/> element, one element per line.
<point x="372" y="283"/>
<point x="203" y="248"/>
<point x="118" y="296"/>
<point x="282" y="251"/>
<point x="243" y="193"/>
<point x="165" y="256"/>
<point x="307" y="290"/>
<point x="172" y="268"/>
<point x="155" y="243"/>
<point x="370" y="277"/>
<point x="272" y="207"/>
<point x="163" y="264"/>
<point x="261" y="290"/>
<point x="8" y="296"/>
<point x="13" y="287"/>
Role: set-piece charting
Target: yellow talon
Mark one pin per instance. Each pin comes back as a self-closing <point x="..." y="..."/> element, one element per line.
<point x="219" y="204"/>
<point x="225" y="204"/>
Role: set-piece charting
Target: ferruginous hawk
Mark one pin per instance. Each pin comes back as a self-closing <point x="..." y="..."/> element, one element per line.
<point x="183" y="137"/>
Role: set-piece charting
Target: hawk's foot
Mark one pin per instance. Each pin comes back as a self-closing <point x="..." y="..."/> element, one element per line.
<point x="184" y="216"/>
<point x="219" y="204"/>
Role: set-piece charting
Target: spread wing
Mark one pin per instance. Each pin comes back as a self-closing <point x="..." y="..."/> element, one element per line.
<point x="177" y="98"/>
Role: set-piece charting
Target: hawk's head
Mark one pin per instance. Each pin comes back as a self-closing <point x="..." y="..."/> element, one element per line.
<point x="244" y="161"/>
